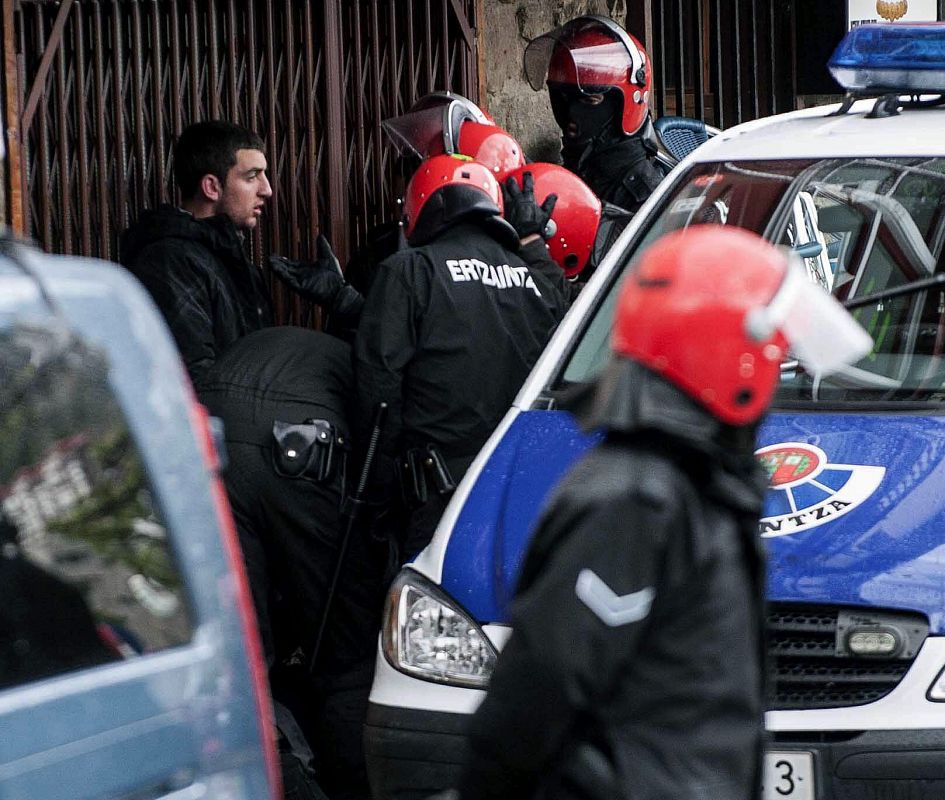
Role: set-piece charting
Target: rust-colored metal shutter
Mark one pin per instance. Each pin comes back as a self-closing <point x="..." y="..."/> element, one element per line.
<point x="97" y="91"/>
<point x="722" y="61"/>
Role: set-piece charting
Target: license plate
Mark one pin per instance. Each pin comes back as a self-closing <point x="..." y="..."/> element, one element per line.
<point x="789" y="775"/>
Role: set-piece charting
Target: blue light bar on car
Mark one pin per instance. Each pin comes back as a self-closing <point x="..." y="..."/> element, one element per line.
<point x="900" y="57"/>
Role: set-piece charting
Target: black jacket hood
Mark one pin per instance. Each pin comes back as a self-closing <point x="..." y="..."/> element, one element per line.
<point x="453" y="205"/>
<point x="630" y="400"/>
<point x="218" y="234"/>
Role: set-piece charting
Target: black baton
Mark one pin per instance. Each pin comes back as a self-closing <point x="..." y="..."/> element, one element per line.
<point x="351" y="512"/>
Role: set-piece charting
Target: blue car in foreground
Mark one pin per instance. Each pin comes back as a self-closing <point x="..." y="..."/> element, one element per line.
<point x="130" y="665"/>
<point x="854" y="520"/>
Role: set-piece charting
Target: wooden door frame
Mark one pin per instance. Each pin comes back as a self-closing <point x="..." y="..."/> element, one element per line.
<point x="10" y="167"/>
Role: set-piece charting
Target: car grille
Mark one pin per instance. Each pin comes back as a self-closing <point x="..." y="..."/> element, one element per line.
<point x="810" y="665"/>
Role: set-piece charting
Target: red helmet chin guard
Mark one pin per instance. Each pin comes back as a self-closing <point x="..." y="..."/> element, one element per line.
<point x="594" y="53"/>
<point x="444" y="171"/>
<point x="576" y="215"/>
<point x="683" y="312"/>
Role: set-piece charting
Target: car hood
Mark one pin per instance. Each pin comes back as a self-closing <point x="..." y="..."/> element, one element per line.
<point x="855" y="513"/>
<point x="488" y="541"/>
<point x="857" y="516"/>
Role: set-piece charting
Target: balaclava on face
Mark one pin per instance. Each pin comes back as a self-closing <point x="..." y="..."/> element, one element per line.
<point x="585" y="126"/>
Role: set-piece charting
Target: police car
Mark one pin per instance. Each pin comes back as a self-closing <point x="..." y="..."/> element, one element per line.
<point x="855" y="513"/>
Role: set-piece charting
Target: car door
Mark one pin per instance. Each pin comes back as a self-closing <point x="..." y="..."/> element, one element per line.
<point x="104" y="677"/>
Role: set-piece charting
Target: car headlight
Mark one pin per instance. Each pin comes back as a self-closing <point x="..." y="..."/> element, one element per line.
<point x="428" y="635"/>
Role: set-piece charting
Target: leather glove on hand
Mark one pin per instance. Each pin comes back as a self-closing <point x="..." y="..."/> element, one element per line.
<point x="522" y="211"/>
<point x="319" y="281"/>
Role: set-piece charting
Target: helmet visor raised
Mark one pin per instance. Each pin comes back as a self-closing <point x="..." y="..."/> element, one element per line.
<point x="820" y="332"/>
<point x="589" y="52"/>
<point x="433" y="130"/>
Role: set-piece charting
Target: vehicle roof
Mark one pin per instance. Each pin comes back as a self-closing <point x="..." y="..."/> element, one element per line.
<point x="813" y="133"/>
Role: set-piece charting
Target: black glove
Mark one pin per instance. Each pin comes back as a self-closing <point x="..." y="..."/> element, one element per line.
<point x="347" y="303"/>
<point x="522" y="211"/>
<point x="319" y="281"/>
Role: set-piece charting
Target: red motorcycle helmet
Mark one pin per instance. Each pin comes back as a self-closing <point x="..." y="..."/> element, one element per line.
<point x="685" y="313"/>
<point x="469" y="187"/>
<point x="492" y="146"/>
<point x="594" y="54"/>
<point x="576" y="215"/>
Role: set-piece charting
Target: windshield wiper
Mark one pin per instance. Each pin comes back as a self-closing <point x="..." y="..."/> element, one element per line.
<point x="896" y="291"/>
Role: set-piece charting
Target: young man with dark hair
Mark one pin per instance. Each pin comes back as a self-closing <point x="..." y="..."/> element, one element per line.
<point x="210" y="149"/>
<point x="192" y="258"/>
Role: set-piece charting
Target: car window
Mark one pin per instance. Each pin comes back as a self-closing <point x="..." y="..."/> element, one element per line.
<point x="743" y="194"/>
<point x="860" y="225"/>
<point x="87" y="575"/>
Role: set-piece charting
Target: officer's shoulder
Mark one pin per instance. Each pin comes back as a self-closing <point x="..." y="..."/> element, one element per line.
<point x="641" y="180"/>
<point x="405" y="263"/>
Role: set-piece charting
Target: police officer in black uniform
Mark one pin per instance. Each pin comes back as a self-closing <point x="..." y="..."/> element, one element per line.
<point x="635" y="664"/>
<point x="449" y="331"/>
<point x="284" y="395"/>
<point x="599" y="79"/>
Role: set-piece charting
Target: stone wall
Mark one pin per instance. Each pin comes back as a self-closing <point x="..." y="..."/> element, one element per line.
<point x="507" y="28"/>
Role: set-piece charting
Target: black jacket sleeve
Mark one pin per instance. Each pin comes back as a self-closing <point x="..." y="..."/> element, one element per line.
<point x="558" y="290"/>
<point x="386" y="342"/>
<point x="179" y="286"/>
<point x="577" y="619"/>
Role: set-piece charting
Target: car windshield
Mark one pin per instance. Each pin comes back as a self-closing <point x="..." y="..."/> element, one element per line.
<point x="862" y="226"/>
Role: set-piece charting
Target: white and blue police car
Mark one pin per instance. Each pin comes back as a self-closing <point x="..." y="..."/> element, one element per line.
<point x="854" y="519"/>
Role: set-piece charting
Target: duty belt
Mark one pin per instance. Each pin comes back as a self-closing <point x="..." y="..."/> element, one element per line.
<point x="312" y="450"/>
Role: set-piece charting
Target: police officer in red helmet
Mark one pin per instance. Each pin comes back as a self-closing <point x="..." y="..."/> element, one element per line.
<point x="634" y="669"/>
<point x="599" y="79"/>
<point x="449" y="331"/>
<point x="552" y="201"/>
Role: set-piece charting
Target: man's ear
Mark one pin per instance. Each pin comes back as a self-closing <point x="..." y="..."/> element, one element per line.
<point x="211" y="188"/>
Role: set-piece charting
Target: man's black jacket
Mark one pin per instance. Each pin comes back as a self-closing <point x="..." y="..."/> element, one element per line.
<point x="634" y="669"/>
<point x="199" y="276"/>
<point x="448" y="334"/>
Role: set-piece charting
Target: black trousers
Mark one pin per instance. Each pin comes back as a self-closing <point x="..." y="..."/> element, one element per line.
<point x="423" y="520"/>
<point x="290" y="531"/>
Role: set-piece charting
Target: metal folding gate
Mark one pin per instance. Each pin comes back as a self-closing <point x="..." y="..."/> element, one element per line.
<point x="97" y="91"/>
<point x="723" y="61"/>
